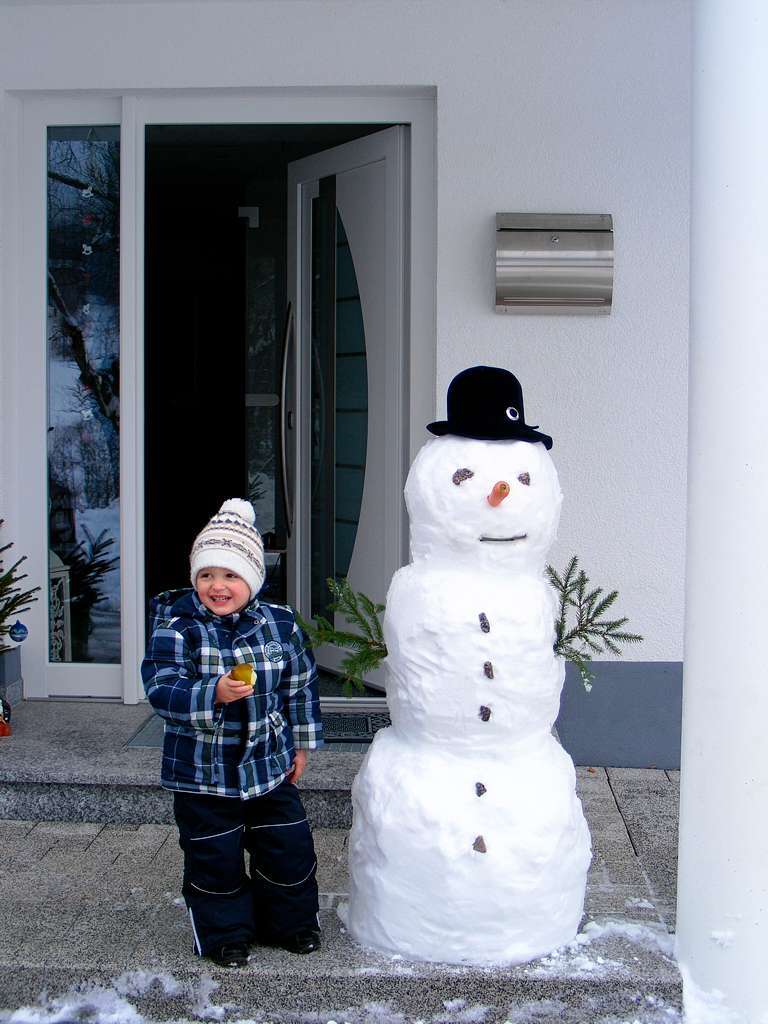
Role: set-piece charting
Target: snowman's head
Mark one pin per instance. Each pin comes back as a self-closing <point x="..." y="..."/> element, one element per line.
<point x="489" y="503"/>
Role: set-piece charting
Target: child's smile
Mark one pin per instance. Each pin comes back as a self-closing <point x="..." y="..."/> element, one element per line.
<point x="222" y="591"/>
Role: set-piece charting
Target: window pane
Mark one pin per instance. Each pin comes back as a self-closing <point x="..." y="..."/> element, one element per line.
<point x="83" y="393"/>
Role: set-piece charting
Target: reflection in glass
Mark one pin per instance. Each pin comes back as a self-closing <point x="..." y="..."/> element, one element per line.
<point x="351" y="404"/>
<point x="264" y="298"/>
<point x="83" y="393"/>
<point x="339" y="402"/>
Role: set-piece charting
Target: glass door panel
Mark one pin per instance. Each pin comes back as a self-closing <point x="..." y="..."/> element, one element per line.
<point x="351" y="419"/>
<point x="83" y="362"/>
<point x="339" y="389"/>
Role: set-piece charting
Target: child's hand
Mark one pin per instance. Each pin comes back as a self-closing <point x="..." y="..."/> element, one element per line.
<point x="229" y="689"/>
<point x="299" y="764"/>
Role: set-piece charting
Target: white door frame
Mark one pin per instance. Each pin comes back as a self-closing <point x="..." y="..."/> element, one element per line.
<point x="28" y="397"/>
<point x="24" y="471"/>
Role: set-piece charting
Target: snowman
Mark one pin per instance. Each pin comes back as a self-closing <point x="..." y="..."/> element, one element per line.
<point x="468" y="843"/>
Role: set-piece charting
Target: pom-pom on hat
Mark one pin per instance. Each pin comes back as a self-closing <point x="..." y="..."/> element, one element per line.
<point x="231" y="541"/>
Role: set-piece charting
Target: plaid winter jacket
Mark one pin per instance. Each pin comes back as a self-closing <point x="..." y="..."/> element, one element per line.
<point x="244" y="748"/>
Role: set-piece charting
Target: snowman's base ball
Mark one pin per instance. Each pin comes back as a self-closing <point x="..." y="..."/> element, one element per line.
<point x="423" y="884"/>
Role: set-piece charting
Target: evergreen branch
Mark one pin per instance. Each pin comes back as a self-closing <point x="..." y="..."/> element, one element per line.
<point x="14" y="600"/>
<point x="553" y="578"/>
<point x="605" y="604"/>
<point x="591" y="633"/>
<point x="367" y="648"/>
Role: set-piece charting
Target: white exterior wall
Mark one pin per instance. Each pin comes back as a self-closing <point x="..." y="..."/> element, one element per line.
<point x="542" y="105"/>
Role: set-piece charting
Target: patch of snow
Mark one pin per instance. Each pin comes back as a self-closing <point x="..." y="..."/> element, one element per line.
<point x="724" y="939"/>
<point x="202" y="1006"/>
<point x="573" y="958"/>
<point x="648" y="936"/>
<point x="578" y="965"/>
<point x="538" y="1010"/>
<point x="138" y="983"/>
<point x="636" y="903"/>
<point x="92" y="1003"/>
<point x="465" y="1015"/>
<point x="82" y="1003"/>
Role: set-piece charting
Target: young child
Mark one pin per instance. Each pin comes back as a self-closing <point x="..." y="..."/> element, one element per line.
<point x="233" y="752"/>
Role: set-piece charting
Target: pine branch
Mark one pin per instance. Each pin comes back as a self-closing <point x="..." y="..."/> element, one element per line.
<point x="367" y="646"/>
<point x="14" y="600"/>
<point x="590" y="633"/>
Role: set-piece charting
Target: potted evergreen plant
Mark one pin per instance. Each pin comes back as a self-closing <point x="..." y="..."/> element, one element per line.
<point x="14" y="600"/>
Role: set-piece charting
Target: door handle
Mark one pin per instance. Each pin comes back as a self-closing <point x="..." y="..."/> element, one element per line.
<point x="286" y="420"/>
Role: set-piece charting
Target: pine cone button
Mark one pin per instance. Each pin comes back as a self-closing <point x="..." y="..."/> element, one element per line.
<point x="484" y="623"/>
<point x="479" y="845"/>
<point x="488" y="669"/>
<point x="480" y="788"/>
<point x="485" y="713"/>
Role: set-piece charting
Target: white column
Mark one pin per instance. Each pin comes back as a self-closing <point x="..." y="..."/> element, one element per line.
<point x="723" y="869"/>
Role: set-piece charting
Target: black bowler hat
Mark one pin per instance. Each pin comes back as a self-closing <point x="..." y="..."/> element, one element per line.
<point x="486" y="403"/>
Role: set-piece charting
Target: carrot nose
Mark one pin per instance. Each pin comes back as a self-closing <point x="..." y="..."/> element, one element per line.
<point x="499" y="493"/>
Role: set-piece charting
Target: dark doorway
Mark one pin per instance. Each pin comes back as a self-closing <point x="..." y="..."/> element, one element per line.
<point x="215" y="307"/>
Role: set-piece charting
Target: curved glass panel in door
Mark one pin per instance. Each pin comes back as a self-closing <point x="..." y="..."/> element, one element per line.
<point x="339" y="400"/>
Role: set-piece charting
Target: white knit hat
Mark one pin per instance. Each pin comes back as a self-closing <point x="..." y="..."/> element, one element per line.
<point x="231" y="541"/>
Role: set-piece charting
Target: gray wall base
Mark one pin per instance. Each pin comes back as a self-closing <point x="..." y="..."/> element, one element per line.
<point x="630" y="718"/>
<point x="11" y="683"/>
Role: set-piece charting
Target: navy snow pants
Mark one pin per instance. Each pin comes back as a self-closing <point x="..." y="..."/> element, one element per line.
<point x="225" y="905"/>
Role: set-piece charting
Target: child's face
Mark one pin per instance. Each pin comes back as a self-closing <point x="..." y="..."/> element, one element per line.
<point x="222" y="591"/>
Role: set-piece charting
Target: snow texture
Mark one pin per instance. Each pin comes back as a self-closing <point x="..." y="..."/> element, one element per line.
<point x="443" y="869"/>
<point x="110" y="1004"/>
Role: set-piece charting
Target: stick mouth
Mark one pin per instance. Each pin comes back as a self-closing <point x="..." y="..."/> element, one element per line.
<point x="504" y="540"/>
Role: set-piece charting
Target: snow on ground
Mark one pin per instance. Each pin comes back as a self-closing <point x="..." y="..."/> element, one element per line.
<point x="115" y="1003"/>
<point x="102" y="1004"/>
<point x="575" y="959"/>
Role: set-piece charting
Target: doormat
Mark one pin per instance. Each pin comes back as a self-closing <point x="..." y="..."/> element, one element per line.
<point x="338" y="727"/>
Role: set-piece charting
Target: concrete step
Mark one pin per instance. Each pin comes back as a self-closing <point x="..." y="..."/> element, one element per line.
<point x="65" y="798"/>
<point x="88" y="903"/>
<point x="611" y="979"/>
<point x="91" y="922"/>
<point x="71" y="761"/>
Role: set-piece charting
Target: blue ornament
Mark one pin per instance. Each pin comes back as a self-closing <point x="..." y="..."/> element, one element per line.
<point x="18" y="632"/>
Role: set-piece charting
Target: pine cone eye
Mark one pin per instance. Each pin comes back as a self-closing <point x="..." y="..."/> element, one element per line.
<point x="525" y="478"/>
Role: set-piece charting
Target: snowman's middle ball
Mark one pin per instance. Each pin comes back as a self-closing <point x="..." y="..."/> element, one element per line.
<point x="447" y="495"/>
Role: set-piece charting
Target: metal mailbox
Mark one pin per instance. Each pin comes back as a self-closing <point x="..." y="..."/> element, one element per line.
<point x="554" y="263"/>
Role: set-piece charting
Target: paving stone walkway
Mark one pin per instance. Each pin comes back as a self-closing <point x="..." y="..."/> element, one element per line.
<point x="86" y="902"/>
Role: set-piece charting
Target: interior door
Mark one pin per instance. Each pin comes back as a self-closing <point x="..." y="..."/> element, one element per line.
<point x="344" y="388"/>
